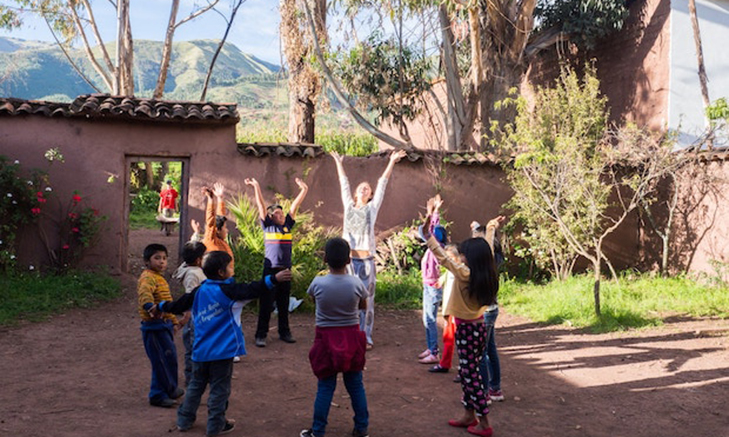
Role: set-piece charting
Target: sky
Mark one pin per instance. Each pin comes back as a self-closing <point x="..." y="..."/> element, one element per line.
<point x="255" y="30"/>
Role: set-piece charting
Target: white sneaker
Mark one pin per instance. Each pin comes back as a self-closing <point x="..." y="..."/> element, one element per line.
<point x="236" y="359"/>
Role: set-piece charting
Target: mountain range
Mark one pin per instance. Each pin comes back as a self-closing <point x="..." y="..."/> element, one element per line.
<point x="37" y="70"/>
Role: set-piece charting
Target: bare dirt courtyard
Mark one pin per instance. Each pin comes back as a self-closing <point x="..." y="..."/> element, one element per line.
<point x="85" y="373"/>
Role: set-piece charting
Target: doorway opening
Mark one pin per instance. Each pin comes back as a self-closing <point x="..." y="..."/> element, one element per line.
<point x="156" y="207"/>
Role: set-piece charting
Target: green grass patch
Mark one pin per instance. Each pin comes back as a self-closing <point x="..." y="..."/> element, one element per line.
<point x="143" y="220"/>
<point x="32" y="296"/>
<point x="399" y="291"/>
<point x="634" y="301"/>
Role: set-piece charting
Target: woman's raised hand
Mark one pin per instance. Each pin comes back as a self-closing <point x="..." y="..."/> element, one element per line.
<point x="218" y="190"/>
<point x="397" y="155"/>
<point x="250" y="181"/>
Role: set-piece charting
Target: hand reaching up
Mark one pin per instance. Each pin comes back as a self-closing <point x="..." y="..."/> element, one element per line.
<point x="218" y="190"/>
<point x="250" y="181"/>
<point x="302" y="185"/>
<point x="397" y="155"/>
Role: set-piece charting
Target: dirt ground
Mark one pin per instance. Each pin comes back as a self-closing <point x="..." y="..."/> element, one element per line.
<point x="85" y="373"/>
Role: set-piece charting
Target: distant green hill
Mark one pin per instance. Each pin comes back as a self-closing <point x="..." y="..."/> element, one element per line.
<point x="39" y="71"/>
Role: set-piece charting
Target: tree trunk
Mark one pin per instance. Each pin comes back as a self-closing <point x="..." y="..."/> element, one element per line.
<point x="126" y="68"/>
<point x="502" y="76"/>
<point x="702" y="70"/>
<point x="596" y="287"/>
<point x="304" y="83"/>
<point x="159" y="90"/>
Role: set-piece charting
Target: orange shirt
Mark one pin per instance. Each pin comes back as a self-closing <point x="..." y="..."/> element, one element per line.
<point x="211" y="240"/>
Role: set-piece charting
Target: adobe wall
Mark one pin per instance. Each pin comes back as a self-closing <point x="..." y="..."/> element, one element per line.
<point x="96" y="149"/>
<point x="632" y="65"/>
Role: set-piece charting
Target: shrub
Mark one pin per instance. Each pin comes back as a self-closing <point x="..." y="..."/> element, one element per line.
<point x="20" y="200"/>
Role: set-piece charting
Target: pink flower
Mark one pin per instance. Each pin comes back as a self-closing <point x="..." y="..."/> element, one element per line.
<point x="41" y="200"/>
<point x="76" y="198"/>
<point x="35" y="211"/>
<point x="72" y="215"/>
<point x="66" y="246"/>
<point x="39" y="194"/>
<point x="74" y="229"/>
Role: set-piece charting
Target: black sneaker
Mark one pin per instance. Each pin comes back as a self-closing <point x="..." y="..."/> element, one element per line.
<point x="260" y="342"/>
<point x="360" y="433"/>
<point x="164" y="403"/>
<point x="229" y="427"/>
<point x="178" y="393"/>
<point x="307" y="433"/>
<point x="438" y="369"/>
<point x="287" y="338"/>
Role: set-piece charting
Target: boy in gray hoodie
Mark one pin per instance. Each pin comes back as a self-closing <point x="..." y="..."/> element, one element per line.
<point x="190" y="274"/>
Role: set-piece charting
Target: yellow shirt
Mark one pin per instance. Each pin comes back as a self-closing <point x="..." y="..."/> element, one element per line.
<point x="153" y="288"/>
<point x="461" y="304"/>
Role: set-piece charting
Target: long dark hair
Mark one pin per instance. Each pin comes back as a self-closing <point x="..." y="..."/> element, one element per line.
<point x="483" y="285"/>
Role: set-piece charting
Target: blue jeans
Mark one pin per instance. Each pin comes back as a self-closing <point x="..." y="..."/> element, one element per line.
<point x="218" y="374"/>
<point x="325" y="394"/>
<point x="432" y="298"/>
<point x="160" y="347"/>
<point x="188" y="335"/>
<point x="490" y="368"/>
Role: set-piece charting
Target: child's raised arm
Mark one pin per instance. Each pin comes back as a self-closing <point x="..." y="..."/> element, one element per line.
<point x="343" y="181"/>
<point x="260" y="202"/>
<point x="299" y="199"/>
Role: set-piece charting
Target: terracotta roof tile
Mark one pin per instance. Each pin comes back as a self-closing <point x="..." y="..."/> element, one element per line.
<point x="131" y="108"/>
<point x="413" y="155"/>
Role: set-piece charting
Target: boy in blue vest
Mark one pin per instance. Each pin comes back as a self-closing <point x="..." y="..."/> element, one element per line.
<point x="216" y="307"/>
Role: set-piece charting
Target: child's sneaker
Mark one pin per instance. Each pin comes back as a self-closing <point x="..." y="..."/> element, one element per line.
<point x="360" y="433"/>
<point x="229" y="427"/>
<point x="496" y="395"/>
<point x="424" y="354"/>
<point x="164" y="403"/>
<point x="178" y="393"/>
<point x="307" y="433"/>
<point x="429" y="359"/>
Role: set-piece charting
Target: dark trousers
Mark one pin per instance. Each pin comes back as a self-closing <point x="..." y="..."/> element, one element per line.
<point x="218" y="374"/>
<point x="160" y="347"/>
<point x="280" y="294"/>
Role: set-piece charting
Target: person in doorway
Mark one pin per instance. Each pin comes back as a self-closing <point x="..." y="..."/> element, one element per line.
<point x="277" y="236"/>
<point x="167" y="207"/>
<point x="360" y="215"/>
<point x="167" y="200"/>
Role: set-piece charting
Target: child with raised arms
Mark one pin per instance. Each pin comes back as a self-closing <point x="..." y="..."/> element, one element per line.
<point x="475" y="288"/>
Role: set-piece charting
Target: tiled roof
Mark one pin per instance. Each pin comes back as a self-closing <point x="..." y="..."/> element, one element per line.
<point x="413" y="155"/>
<point x="131" y="108"/>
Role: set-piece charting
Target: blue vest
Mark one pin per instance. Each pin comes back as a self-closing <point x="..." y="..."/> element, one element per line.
<point x="216" y="317"/>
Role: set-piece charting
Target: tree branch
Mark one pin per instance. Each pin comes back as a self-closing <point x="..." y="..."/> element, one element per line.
<point x="90" y="54"/>
<point x="337" y="88"/>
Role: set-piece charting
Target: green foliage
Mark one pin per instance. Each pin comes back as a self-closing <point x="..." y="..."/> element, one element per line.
<point x="633" y="302"/>
<point x="79" y="229"/>
<point x="401" y="291"/>
<point x="585" y="21"/>
<point x="143" y="209"/>
<point x="558" y="169"/>
<point x="308" y="245"/>
<point x="387" y="78"/>
<point x="719" y="110"/>
<point x="344" y="142"/>
<point x="31" y="296"/>
<point x="21" y="198"/>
